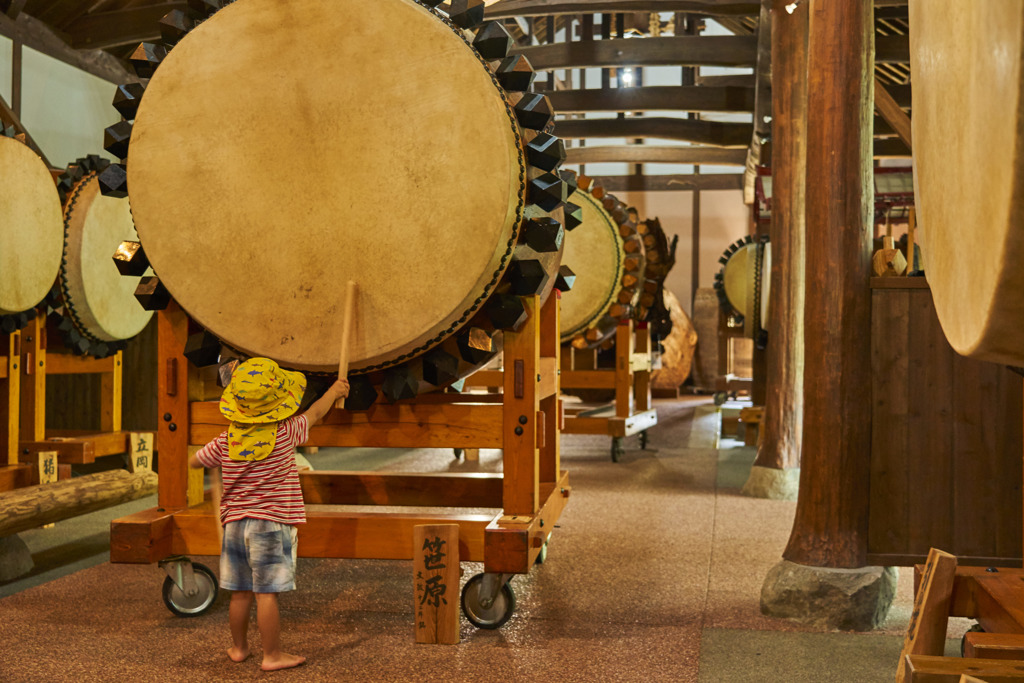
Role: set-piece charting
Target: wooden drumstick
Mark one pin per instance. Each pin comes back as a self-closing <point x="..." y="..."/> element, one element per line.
<point x="346" y="332"/>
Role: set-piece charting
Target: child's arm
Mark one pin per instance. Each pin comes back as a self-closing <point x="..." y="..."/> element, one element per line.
<point x="322" y="405"/>
<point x="207" y="452"/>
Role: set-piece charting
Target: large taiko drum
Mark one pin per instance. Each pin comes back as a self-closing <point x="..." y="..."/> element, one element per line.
<point x="30" y="232"/>
<point x="966" y="59"/>
<point x="606" y="254"/>
<point x="97" y="303"/>
<point x="743" y="284"/>
<point x="283" y="149"/>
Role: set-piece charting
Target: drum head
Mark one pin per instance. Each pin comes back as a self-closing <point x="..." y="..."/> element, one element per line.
<point x="100" y="300"/>
<point x="969" y="169"/>
<point x="31" y="230"/>
<point x="283" y="149"/>
<point x="593" y="251"/>
<point x="735" y="274"/>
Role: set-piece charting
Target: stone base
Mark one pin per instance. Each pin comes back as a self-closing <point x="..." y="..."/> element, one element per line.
<point x="771" y="483"/>
<point x="15" y="558"/>
<point x="843" y="599"/>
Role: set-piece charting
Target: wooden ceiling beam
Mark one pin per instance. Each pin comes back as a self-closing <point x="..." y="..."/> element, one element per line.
<point x="714" y="133"/>
<point x="667" y="183"/>
<point x="119" y="27"/>
<point x="656" y="154"/>
<point x="890" y="110"/>
<point x="730" y="51"/>
<point x="892" y="49"/>
<point x="533" y="8"/>
<point x="40" y="37"/>
<point x="695" y="98"/>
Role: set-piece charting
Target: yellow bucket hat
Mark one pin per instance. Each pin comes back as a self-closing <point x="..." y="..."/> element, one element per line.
<point x="259" y="395"/>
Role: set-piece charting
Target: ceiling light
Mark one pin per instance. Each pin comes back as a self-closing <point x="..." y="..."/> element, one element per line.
<point x="791" y="7"/>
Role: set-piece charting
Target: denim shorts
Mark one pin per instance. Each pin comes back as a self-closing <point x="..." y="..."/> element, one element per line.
<point x="258" y="555"/>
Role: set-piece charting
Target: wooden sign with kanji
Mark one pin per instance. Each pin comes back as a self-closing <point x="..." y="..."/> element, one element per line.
<point x="436" y="580"/>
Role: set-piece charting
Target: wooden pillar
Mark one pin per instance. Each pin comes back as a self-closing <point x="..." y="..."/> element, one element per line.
<point x="10" y="397"/>
<point x="783" y="408"/>
<point x="33" y="386"/>
<point x="830" y="528"/>
<point x="172" y="400"/>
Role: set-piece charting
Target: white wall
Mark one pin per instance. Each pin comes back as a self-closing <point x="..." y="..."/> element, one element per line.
<point x="63" y="108"/>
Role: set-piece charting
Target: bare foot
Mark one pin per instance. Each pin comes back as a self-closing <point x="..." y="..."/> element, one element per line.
<point x="281" y="661"/>
<point x="237" y="654"/>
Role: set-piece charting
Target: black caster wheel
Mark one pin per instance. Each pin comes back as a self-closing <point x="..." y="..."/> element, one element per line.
<point x="457" y="452"/>
<point x="483" y="613"/>
<point x="183" y="605"/>
<point x="617" y="450"/>
<point x="963" y="641"/>
<point x="721" y="397"/>
<point x="643" y="440"/>
<point x="542" y="556"/>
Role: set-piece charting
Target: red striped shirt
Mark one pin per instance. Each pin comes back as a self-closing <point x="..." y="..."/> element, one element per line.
<point x="261" y="489"/>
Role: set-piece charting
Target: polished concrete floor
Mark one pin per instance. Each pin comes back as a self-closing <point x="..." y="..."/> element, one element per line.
<point x="653" y="575"/>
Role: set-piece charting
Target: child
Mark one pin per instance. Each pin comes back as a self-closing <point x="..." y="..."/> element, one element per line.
<point x="262" y="501"/>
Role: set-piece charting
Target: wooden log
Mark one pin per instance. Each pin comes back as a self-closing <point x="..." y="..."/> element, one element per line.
<point x="926" y="632"/>
<point x="784" y="402"/>
<point x="34" y="506"/>
<point x="435" y="549"/>
<point x="679" y="348"/>
<point x="830" y="527"/>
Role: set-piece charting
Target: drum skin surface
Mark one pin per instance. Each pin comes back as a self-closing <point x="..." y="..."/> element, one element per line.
<point x="31" y="229"/>
<point x="99" y="299"/>
<point x="594" y="253"/>
<point x="969" y="169"/>
<point x="283" y="149"/>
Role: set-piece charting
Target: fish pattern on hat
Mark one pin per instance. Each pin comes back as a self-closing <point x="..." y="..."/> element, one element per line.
<point x="261" y="394"/>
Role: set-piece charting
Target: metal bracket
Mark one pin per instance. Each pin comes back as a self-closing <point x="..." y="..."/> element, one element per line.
<point x="179" y="568"/>
<point x="490" y="585"/>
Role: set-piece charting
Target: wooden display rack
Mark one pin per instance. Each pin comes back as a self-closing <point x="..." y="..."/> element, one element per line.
<point x="523" y="421"/>
<point x="73" y="447"/>
<point x="632" y="411"/>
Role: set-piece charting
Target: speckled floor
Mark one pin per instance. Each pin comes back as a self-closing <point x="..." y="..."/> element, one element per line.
<point x="653" y="575"/>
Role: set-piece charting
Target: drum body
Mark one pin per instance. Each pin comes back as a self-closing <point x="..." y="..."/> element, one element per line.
<point x="969" y="169"/>
<point x="678" y="345"/>
<point x="30" y="228"/>
<point x="99" y="301"/>
<point x="394" y="159"/>
<point x="606" y="253"/>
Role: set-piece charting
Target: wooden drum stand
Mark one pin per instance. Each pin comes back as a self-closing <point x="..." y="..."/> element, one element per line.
<point x="632" y="411"/>
<point x="523" y="421"/>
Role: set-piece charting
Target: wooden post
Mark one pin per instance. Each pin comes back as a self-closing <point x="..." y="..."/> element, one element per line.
<point x="830" y="527"/>
<point x="110" y="396"/>
<point x="172" y="402"/>
<point x="926" y="632"/>
<point x="550" y="347"/>
<point x="783" y="415"/>
<point x="10" y="393"/>
<point x="624" y="369"/>
<point x="435" y="551"/>
<point x="33" y="383"/>
<point x="642" y="379"/>
<point x="520" y="458"/>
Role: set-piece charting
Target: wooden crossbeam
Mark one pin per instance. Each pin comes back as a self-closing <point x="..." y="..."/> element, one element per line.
<point x="890" y="110"/>
<point x="507" y="9"/>
<point x="892" y="49"/>
<point x="98" y="30"/>
<point x="667" y="183"/>
<point x="733" y="51"/>
<point x="40" y="37"/>
<point x="650" y="154"/>
<point x="696" y="98"/>
<point x="667" y="128"/>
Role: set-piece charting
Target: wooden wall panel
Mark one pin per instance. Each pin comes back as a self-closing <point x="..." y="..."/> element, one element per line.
<point x="946" y="451"/>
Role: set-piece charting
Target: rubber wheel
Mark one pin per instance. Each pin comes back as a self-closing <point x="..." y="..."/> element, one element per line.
<point x="497" y="614"/>
<point x="542" y="556"/>
<point x="721" y="397"/>
<point x="457" y="452"/>
<point x="184" y="606"/>
<point x="643" y="440"/>
<point x="617" y="450"/>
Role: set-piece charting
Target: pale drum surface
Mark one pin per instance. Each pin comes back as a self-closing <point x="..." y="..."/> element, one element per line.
<point x="967" y="134"/>
<point x="594" y="252"/>
<point x="31" y="229"/>
<point x="283" y="149"/>
<point x="103" y="299"/>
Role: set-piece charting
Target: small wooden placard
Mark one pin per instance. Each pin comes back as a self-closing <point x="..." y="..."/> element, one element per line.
<point x="140" y="459"/>
<point x="926" y="632"/>
<point x="435" y="551"/>
<point x="47" y="467"/>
